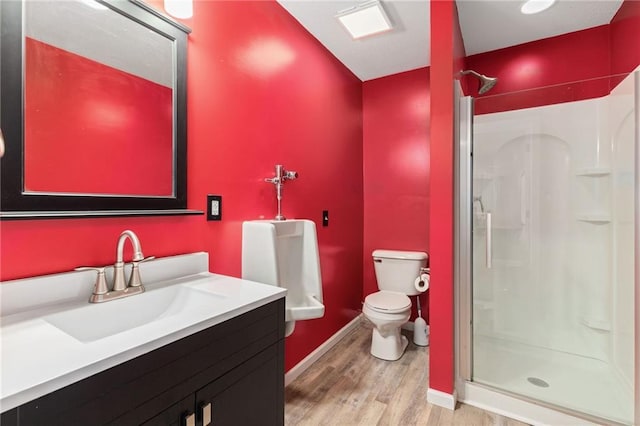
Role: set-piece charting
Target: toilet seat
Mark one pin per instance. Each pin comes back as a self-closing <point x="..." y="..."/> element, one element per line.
<point x="388" y="302"/>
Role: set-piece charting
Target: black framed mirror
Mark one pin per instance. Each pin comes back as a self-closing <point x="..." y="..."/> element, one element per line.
<point x="93" y="109"/>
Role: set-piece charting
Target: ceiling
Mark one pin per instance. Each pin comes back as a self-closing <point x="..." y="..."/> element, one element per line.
<point x="486" y="25"/>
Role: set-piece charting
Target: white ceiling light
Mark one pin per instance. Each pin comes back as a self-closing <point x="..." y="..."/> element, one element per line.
<point x="179" y="8"/>
<point x="536" y="6"/>
<point x="365" y="19"/>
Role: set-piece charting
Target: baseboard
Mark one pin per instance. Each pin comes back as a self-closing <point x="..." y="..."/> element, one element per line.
<point x="442" y="399"/>
<point x="303" y="365"/>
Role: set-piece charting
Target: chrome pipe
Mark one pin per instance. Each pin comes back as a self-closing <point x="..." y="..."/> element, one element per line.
<point x="278" y="180"/>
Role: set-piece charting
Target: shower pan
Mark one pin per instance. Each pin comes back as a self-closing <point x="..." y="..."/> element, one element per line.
<point x="547" y="252"/>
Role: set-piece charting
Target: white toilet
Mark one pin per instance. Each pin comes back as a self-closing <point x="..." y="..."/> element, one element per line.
<point x="389" y="308"/>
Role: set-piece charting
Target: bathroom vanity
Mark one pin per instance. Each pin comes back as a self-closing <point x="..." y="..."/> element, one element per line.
<point x="210" y="351"/>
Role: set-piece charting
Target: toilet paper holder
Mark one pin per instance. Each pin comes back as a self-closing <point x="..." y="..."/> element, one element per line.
<point x="422" y="281"/>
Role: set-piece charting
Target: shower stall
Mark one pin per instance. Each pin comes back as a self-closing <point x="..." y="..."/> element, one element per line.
<point x="547" y="251"/>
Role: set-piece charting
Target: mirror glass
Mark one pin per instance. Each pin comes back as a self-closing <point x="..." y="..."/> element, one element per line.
<point x="98" y="102"/>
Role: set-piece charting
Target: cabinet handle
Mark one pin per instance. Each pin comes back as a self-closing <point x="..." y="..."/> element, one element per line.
<point x="206" y="414"/>
<point x="189" y="419"/>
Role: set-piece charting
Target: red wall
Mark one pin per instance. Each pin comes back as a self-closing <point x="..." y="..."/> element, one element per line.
<point x="396" y="167"/>
<point x="625" y="38"/>
<point x="116" y="116"/>
<point x="447" y="54"/>
<point x="545" y="65"/>
<point x="261" y="91"/>
<point x="580" y="55"/>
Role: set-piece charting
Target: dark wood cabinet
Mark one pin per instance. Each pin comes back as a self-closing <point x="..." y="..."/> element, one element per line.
<point x="240" y="397"/>
<point x="234" y="371"/>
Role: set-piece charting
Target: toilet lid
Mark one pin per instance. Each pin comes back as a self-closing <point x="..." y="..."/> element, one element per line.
<point x="388" y="301"/>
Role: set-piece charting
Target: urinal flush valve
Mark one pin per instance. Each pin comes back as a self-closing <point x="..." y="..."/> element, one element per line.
<point x="278" y="180"/>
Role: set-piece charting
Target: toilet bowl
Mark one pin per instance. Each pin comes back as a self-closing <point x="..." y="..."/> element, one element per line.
<point x="387" y="311"/>
<point x="390" y="308"/>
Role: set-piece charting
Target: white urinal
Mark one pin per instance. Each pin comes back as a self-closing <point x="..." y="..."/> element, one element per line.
<point x="285" y="254"/>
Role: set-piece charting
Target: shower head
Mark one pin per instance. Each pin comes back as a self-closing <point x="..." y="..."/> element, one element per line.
<point x="486" y="83"/>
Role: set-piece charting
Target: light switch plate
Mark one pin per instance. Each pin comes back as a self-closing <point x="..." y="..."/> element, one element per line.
<point x="214" y="207"/>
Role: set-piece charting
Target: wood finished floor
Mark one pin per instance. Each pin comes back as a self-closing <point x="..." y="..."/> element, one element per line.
<point x="347" y="386"/>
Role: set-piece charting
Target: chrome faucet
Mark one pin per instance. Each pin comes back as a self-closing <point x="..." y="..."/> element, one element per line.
<point x="101" y="292"/>
<point x="281" y="176"/>
<point x="118" y="267"/>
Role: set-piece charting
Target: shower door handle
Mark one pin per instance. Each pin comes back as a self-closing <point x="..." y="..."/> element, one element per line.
<point x="489" y="259"/>
<point x="523" y="199"/>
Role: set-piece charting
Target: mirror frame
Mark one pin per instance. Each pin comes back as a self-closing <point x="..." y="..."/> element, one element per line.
<point x="14" y="202"/>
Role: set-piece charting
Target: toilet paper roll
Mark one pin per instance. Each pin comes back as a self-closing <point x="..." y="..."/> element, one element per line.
<point x="422" y="283"/>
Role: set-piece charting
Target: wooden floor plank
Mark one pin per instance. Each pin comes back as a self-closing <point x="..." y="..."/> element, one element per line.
<point x="347" y="386"/>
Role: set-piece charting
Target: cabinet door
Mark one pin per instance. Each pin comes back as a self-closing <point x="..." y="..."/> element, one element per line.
<point x="9" y="418"/>
<point x="250" y="394"/>
<point x="176" y="415"/>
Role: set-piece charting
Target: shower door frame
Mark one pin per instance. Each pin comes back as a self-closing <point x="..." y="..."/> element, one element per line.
<point x="465" y="388"/>
<point x="463" y="237"/>
<point x="637" y="246"/>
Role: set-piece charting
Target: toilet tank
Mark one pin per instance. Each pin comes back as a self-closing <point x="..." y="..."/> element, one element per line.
<point x="397" y="270"/>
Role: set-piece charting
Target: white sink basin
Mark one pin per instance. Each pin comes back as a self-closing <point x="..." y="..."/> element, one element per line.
<point x="96" y="321"/>
<point x="51" y="336"/>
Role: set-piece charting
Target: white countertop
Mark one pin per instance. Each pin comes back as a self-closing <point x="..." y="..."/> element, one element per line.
<point x="37" y="357"/>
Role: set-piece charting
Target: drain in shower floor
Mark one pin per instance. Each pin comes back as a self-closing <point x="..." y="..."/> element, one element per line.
<point x="537" y="382"/>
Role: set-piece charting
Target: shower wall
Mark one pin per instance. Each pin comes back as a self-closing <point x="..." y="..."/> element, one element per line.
<point x="557" y="180"/>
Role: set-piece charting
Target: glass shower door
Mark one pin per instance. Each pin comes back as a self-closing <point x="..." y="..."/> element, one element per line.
<point x="553" y="245"/>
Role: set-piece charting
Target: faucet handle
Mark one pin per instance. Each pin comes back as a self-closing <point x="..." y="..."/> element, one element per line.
<point x="134" y="278"/>
<point x="100" y="286"/>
